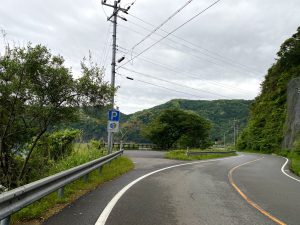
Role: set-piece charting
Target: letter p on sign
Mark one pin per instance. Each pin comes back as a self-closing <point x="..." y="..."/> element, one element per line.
<point x="113" y="115"/>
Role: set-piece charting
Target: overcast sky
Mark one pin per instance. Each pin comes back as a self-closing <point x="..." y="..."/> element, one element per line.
<point x="222" y="54"/>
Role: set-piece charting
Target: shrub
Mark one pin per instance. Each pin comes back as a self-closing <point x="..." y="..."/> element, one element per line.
<point x="297" y="145"/>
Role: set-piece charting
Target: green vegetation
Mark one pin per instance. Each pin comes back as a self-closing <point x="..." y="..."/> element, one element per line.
<point x="82" y="153"/>
<point x="178" y="127"/>
<point x="51" y="148"/>
<point x="181" y="155"/>
<point x="295" y="165"/>
<point x="220" y="113"/>
<point x="295" y="157"/>
<point x="265" y="129"/>
<point x="50" y="204"/>
<point x="38" y="94"/>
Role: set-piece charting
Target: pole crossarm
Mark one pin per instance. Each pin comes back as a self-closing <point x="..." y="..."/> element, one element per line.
<point x="116" y="9"/>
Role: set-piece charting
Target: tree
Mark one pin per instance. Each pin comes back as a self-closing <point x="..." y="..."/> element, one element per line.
<point x="178" y="126"/>
<point x="37" y="92"/>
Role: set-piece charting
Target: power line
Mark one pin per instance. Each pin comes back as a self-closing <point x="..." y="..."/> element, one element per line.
<point x="170" y="89"/>
<point x="163" y="23"/>
<point x="105" y="45"/>
<point x="213" y="53"/>
<point x="104" y="10"/>
<point x="107" y="52"/>
<point x="174" y="83"/>
<point x="188" y="74"/>
<point x="220" y="59"/>
<point x="128" y="6"/>
<point x="174" y="30"/>
<point x="191" y="75"/>
<point x="193" y="55"/>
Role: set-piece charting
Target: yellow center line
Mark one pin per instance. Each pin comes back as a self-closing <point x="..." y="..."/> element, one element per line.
<point x="264" y="212"/>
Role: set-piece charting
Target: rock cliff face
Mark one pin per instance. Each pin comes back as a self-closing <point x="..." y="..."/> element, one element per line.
<point x="292" y="123"/>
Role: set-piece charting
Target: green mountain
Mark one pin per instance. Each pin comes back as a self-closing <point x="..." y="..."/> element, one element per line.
<point x="220" y="112"/>
<point x="266" y="128"/>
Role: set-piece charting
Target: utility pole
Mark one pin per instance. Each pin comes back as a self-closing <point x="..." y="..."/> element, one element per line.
<point x="114" y="49"/>
<point x="224" y="140"/>
<point x="234" y="132"/>
<point x="113" y="18"/>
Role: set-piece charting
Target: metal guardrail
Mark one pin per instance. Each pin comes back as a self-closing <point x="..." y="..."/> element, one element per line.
<point x="16" y="199"/>
<point x="133" y="146"/>
<point x="208" y="152"/>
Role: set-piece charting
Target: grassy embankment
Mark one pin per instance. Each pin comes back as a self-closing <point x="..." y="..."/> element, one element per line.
<point x="295" y="165"/>
<point x="294" y="156"/>
<point x="181" y="155"/>
<point x="51" y="204"/>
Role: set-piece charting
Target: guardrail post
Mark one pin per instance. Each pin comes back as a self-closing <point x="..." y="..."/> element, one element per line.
<point x="86" y="178"/>
<point x="61" y="192"/>
<point x="5" y="221"/>
<point x="187" y="151"/>
<point x="121" y="145"/>
<point x="100" y="170"/>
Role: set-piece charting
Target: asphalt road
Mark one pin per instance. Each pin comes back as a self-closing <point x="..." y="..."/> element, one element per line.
<point x="198" y="193"/>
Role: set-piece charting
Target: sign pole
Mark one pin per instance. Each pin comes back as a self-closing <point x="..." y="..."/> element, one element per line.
<point x="113" y="18"/>
<point x="113" y="69"/>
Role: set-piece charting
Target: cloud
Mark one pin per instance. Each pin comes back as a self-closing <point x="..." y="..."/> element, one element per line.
<point x="233" y="43"/>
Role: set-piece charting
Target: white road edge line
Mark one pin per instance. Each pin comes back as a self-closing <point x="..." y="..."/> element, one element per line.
<point x="282" y="170"/>
<point x="109" y="207"/>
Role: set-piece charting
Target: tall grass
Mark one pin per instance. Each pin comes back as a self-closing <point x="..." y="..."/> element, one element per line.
<point x="50" y="204"/>
<point x="81" y="154"/>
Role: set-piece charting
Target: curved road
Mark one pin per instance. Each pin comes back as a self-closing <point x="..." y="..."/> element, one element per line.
<point x="196" y="193"/>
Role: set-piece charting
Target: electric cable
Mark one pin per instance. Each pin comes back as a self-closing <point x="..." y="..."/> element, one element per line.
<point x="107" y="53"/>
<point x="170" y="89"/>
<point x="162" y="24"/>
<point x="193" y="55"/>
<point x="188" y="74"/>
<point x="174" y="83"/>
<point x="174" y="30"/>
<point x="106" y="45"/>
<point x="212" y="53"/>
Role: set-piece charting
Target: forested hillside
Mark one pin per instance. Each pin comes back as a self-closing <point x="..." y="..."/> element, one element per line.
<point x="220" y="112"/>
<point x="265" y="129"/>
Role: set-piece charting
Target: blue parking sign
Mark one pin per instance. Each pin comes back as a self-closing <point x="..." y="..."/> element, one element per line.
<point x="114" y="115"/>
